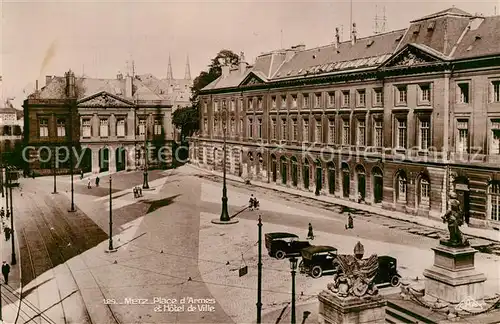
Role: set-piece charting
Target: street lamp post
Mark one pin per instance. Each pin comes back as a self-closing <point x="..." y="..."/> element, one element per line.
<point x="293" y="267"/>
<point x="259" y="274"/>
<point x="54" y="169"/>
<point x="110" y="245"/>
<point x="13" y="261"/>
<point x="145" y="184"/>
<point x="6" y="189"/>
<point x="72" y="170"/>
<point x="224" y="215"/>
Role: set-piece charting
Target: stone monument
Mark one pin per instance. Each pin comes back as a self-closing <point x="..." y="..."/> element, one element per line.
<point x="352" y="297"/>
<point x="453" y="277"/>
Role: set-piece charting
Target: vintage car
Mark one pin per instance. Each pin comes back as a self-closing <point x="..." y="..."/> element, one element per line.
<point x="281" y="245"/>
<point x="387" y="271"/>
<point x="317" y="260"/>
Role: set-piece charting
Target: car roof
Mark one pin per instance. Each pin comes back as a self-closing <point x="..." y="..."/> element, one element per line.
<point x="318" y="249"/>
<point x="276" y="235"/>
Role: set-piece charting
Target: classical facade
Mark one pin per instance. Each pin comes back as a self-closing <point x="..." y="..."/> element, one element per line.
<point x="11" y="131"/>
<point x="394" y="120"/>
<point x="106" y="123"/>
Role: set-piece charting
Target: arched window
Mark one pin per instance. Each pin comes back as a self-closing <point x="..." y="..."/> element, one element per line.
<point x="424" y="191"/>
<point x="494" y="200"/>
<point x="401" y="186"/>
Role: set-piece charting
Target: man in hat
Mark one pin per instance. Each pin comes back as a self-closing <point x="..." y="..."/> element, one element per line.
<point x="310" y="234"/>
<point x="5" y="272"/>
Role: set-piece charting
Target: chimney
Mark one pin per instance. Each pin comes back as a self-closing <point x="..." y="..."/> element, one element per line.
<point x="225" y="70"/>
<point x="70" y="84"/>
<point x="243" y="64"/>
<point x="48" y="78"/>
<point x="354" y="32"/>
<point x="119" y="76"/>
<point x="337" y="38"/>
<point x="128" y="87"/>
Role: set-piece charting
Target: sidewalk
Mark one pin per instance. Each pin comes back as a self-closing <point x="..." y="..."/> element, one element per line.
<point x="10" y="294"/>
<point x="475" y="232"/>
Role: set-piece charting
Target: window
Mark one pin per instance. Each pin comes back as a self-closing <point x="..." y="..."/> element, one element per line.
<point x="424" y="191"/>
<point x="120" y="127"/>
<point x="377" y="97"/>
<point x="86" y="128"/>
<point x="273" y="129"/>
<point x="205" y="107"/>
<point x="462" y="145"/>
<point x="283" y="102"/>
<point x="463" y="93"/>
<point x="158" y="127"/>
<point x="317" y="100"/>
<point x="259" y="128"/>
<point x="44" y="127"/>
<point x="318" y="132"/>
<point x="216" y="107"/>
<point x="361" y="98"/>
<point x="295" y="130"/>
<point x="425" y="93"/>
<point x="205" y="126"/>
<point x="273" y="103"/>
<point x="240" y="104"/>
<point x="495" y="136"/>
<point x="494" y="200"/>
<point x="345" y="132"/>
<point x="401" y="133"/>
<point x="361" y="133"/>
<point x="294" y="102"/>
<point x="104" y="127"/>
<point x="424" y="134"/>
<point x="378" y="133"/>
<point x="61" y="128"/>
<point x="331" y="131"/>
<point x="306" y="101"/>
<point x="496" y="91"/>
<point x="250" y="104"/>
<point x="232" y="106"/>
<point x="259" y="104"/>
<point x="402" y="95"/>
<point x="305" y="130"/>
<point x="214" y="128"/>
<point x="401" y="183"/>
<point x="284" y="134"/>
<point x="142" y="126"/>
<point x="232" y="126"/>
<point x="331" y="99"/>
<point x="345" y="99"/>
<point x="250" y="127"/>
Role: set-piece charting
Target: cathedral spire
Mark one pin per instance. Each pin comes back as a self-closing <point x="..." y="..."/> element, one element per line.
<point x="170" y="74"/>
<point x="187" y="74"/>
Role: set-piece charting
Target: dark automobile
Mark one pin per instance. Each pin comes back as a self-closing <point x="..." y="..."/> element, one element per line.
<point x="387" y="271"/>
<point x="281" y="245"/>
<point x="317" y="260"/>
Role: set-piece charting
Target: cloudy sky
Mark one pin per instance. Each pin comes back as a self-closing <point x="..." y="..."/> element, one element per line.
<point x="98" y="38"/>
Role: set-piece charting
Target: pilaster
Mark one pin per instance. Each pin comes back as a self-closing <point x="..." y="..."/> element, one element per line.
<point x="112" y="159"/>
<point x="95" y="160"/>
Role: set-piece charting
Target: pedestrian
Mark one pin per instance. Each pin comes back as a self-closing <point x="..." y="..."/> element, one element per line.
<point x="140" y="191"/>
<point x="2" y="213"/>
<point x="7" y="215"/>
<point x="350" y="222"/>
<point x="135" y="192"/>
<point x="33" y="174"/>
<point x="7" y="233"/>
<point x="81" y="175"/>
<point x="5" y="272"/>
<point x="360" y="198"/>
<point x="251" y="202"/>
<point x="255" y="203"/>
<point x="310" y="234"/>
<point x="89" y="185"/>
<point x="97" y="180"/>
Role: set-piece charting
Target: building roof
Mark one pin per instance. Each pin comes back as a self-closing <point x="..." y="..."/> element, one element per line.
<point x="56" y="88"/>
<point x="177" y="90"/>
<point x="448" y="35"/>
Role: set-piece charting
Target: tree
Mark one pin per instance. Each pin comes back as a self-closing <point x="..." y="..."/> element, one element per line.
<point x="187" y="119"/>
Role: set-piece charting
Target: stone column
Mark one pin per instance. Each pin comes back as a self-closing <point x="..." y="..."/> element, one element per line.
<point x="350" y="310"/>
<point x="112" y="159"/>
<point x="95" y="160"/>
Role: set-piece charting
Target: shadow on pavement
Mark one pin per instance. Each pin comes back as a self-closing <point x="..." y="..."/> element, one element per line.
<point x="156" y="204"/>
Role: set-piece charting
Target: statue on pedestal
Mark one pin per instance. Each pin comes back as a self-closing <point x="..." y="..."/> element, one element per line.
<point x="454" y="218"/>
<point x="356" y="275"/>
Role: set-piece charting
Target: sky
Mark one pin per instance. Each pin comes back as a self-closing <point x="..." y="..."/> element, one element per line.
<point x="101" y="38"/>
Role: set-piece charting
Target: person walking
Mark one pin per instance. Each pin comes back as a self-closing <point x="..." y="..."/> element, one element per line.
<point x="81" y="175"/>
<point x="2" y="213"/>
<point x="89" y="184"/>
<point x="310" y="234"/>
<point x="5" y="272"/>
<point x="350" y="222"/>
<point x="7" y="215"/>
<point x="97" y="180"/>
<point x="7" y="232"/>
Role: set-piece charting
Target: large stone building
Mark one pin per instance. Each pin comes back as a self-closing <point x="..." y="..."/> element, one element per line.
<point x="11" y="131"/>
<point x="396" y="118"/>
<point x="104" y="120"/>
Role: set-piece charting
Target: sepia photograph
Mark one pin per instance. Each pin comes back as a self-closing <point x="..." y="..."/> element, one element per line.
<point x="250" y="162"/>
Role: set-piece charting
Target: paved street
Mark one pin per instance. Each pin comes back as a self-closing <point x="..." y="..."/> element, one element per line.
<point x="168" y="248"/>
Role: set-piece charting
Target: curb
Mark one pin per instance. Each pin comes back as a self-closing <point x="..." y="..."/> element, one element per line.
<point x="360" y="207"/>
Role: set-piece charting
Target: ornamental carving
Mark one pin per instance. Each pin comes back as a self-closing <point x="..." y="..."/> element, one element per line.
<point x="104" y="100"/>
<point x="253" y="81"/>
<point x="410" y="59"/>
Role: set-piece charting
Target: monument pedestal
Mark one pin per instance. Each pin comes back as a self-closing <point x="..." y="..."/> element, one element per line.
<point x="453" y="277"/>
<point x="350" y="310"/>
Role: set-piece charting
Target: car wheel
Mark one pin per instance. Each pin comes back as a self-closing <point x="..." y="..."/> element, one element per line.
<point x="316" y="272"/>
<point x="395" y="281"/>
<point x="280" y="255"/>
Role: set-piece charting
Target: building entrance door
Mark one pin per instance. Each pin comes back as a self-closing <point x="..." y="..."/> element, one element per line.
<point x="362" y="185"/>
<point x="346" y="183"/>
<point x="378" y="187"/>
<point x="331" y="181"/>
<point x="462" y="191"/>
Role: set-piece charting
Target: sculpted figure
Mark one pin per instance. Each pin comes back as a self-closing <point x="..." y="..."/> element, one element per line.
<point x="454" y="218"/>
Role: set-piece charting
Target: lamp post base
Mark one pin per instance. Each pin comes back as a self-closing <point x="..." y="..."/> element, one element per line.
<point x="224" y="222"/>
<point x="71" y="210"/>
<point x="110" y="251"/>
